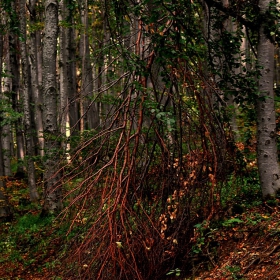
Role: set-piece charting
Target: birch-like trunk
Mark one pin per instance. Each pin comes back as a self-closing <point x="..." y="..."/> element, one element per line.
<point x="64" y="94"/>
<point x="35" y="62"/>
<point x="269" y="170"/>
<point x="52" y="192"/>
<point x="26" y="94"/>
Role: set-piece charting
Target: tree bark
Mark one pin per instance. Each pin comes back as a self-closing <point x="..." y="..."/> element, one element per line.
<point x="4" y="206"/>
<point x="26" y="94"/>
<point x="269" y="170"/>
<point x="64" y="87"/>
<point x="6" y="129"/>
<point x="52" y="192"/>
<point x="35" y="62"/>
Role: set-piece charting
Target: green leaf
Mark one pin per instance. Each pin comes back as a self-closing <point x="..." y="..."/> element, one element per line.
<point x="232" y="221"/>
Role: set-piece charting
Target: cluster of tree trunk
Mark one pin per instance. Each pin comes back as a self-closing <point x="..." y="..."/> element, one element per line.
<point x="134" y="99"/>
<point x="66" y="66"/>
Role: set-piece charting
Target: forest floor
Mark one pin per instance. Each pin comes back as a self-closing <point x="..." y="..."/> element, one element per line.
<point x="242" y="246"/>
<point x="248" y="247"/>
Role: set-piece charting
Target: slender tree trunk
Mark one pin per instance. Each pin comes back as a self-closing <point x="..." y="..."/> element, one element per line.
<point x="269" y="170"/>
<point x="35" y="62"/>
<point x="26" y="91"/>
<point x="2" y="173"/>
<point x="64" y="87"/>
<point x="1" y="82"/>
<point x="6" y="129"/>
<point x="4" y="206"/>
<point x="71" y="73"/>
<point x="52" y="195"/>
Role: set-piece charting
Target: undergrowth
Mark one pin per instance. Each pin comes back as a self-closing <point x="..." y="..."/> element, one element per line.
<point x="35" y="245"/>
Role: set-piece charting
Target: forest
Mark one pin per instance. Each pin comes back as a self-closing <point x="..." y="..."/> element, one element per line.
<point x="139" y="139"/>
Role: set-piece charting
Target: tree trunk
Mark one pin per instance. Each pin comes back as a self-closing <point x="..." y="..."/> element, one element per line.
<point x="4" y="207"/>
<point x="71" y="70"/>
<point x="6" y="129"/>
<point x="269" y="170"/>
<point x="64" y="87"/>
<point x="26" y="94"/>
<point x="52" y="192"/>
<point x="36" y="78"/>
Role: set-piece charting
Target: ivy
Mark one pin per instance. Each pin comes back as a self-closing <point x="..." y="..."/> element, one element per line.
<point x="272" y="22"/>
